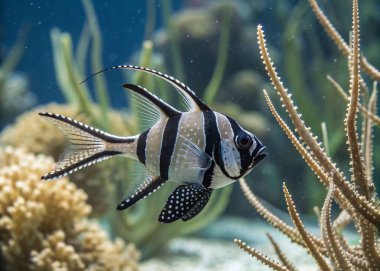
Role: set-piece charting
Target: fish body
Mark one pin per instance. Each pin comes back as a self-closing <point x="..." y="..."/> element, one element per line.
<point x="200" y="149"/>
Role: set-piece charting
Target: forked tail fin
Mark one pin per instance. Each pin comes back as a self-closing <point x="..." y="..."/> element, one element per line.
<point x="88" y="145"/>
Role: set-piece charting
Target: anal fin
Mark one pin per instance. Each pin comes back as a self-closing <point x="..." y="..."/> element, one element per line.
<point x="185" y="202"/>
<point x="144" y="190"/>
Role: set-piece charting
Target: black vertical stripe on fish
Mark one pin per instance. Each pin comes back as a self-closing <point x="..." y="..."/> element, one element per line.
<point x="207" y="177"/>
<point x="245" y="155"/>
<point x="141" y="146"/>
<point x="169" y="138"/>
<point x="60" y="172"/>
<point x="235" y="127"/>
<point x="219" y="160"/>
<point x="212" y="136"/>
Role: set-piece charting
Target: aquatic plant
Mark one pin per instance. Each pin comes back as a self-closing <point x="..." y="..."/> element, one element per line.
<point x="45" y="225"/>
<point x="14" y="94"/>
<point x="356" y="198"/>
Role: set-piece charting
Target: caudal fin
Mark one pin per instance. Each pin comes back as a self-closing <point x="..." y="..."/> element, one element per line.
<point x="88" y="145"/>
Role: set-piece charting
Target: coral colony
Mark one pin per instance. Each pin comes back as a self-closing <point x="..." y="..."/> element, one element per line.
<point x="356" y="198"/>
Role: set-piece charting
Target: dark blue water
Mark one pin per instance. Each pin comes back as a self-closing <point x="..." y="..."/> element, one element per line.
<point x="122" y="25"/>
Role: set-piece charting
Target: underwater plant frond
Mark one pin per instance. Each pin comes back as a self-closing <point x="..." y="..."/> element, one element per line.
<point x="297" y="144"/>
<point x="329" y="235"/>
<point x="368" y="141"/>
<point x="364" y="207"/>
<point x="303" y="232"/>
<point x="314" y="166"/>
<point x="365" y="111"/>
<point x="369" y="244"/>
<point x="370" y="69"/>
<point x="302" y="130"/>
<point x="342" y="220"/>
<point x="260" y="256"/>
<point x="357" y="166"/>
<point x="272" y="219"/>
<point x="329" y="28"/>
<point x="281" y="255"/>
<point x="339" y="41"/>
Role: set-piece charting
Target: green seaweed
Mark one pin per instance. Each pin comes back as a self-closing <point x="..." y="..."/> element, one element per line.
<point x="175" y="50"/>
<point x="67" y="73"/>
<point x="150" y="19"/>
<point x="96" y="59"/>
<point x="220" y="66"/>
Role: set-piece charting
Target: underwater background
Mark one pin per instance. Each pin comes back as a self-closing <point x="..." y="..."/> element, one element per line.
<point x="48" y="47"/>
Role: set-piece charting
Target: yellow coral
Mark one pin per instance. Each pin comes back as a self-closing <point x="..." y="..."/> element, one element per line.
<point x="44" y="225"/>
<point x="39" y="136"/>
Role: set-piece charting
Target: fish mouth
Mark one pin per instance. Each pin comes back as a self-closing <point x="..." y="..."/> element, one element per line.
<point x="260" y="156"/>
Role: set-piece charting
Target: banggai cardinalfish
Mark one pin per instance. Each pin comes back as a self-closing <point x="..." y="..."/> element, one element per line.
<point x="200" y="149"/>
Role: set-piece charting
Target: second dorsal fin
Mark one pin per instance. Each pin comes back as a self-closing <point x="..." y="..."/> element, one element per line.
<point x="164" y="108"/>
<point x="194" y="103"/>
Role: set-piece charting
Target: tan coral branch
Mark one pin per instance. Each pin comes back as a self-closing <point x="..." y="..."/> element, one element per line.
<point x="364" y="207"/>
<point x="339" y="41"/>
<point x="357" y="166"/>
<point x="371" y="115"/>
<point x="281" y="255"/>
<point x="368" y="154"/>
<point x="260" y="256"/>
<point x="304" y="233"/>
<point x="314" y="166"/>
<point x="329" y="235"/>
<point x="272" y="219"/>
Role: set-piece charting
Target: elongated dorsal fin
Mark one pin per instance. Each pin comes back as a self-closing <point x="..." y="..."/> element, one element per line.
<point x="191" y="99"/>
<point x="162" y="107"/>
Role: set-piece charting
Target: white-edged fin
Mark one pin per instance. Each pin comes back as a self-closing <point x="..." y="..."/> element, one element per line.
<point x="193" y="102"/>
<point x="147" y="114"/>
<point x="87" y="145"/>
<point x="182" y="200"/>
<point x="150" y="108"/>
<point x="193" y="156"/>
<point x="144" y="190"/>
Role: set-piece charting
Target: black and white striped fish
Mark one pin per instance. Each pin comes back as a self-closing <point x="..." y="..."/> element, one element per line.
<point x="200" y="149"/>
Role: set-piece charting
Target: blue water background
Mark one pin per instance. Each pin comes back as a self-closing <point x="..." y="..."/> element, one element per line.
<point x="122" y="25"/>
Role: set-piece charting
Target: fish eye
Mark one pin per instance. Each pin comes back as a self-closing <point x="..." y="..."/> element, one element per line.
<point x="244" y="141"/>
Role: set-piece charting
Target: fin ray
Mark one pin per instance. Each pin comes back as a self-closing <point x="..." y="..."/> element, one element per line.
<point x="194" y="156"/>
<point x="87" y="146"/>
<point x="160" y="105"/>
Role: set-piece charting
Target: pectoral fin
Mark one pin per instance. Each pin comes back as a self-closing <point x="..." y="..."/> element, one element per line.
<point x="185" y="202"/>
<point x="144" y="190"/>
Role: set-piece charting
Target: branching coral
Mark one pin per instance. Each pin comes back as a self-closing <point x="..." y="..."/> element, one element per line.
<point x="357" y="197"/>
<point x="37" y="136"/>
<point x="44" y="226"/>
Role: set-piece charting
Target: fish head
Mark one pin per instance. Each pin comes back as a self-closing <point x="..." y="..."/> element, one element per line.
<point x="237" y="153"/>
